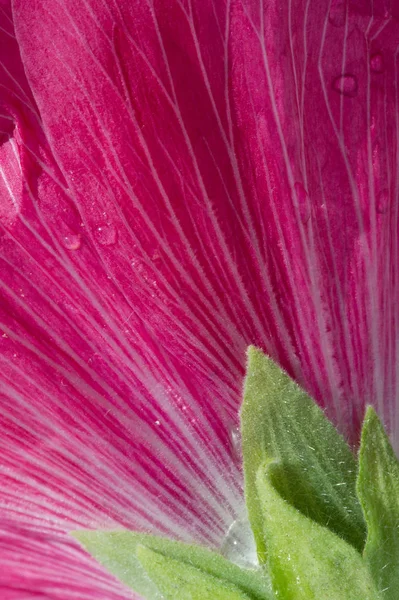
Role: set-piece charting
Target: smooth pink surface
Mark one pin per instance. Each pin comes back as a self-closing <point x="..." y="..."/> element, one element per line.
<point x="180" y="179"/>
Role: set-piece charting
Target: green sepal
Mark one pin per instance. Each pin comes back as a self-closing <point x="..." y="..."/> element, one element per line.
<point x="378" y="490"/>
<point x="307" y="561"/>
<point x="179" y="580"/>
<point x="116" y="550"/>
<point x="279" y="421"/>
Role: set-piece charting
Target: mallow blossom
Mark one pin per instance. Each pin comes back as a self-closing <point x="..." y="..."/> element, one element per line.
<point x="179" y="179"/>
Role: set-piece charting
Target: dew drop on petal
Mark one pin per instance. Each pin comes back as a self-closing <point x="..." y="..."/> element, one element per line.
<point x="337" y="13"/>
<point x="105" y="234"/>
<point x="235" y="442"/>
<point x="11" y="178"/>
<point x="345" y="85"/>
<point x="382" y="203"/>
<point x="239" y="544"/>
<point x="301" y="201"/>
<point x="377" y="62"/>
<point x="72" y="241"/>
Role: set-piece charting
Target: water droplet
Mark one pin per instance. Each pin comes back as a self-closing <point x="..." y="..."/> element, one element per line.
<point x="337" y="13"/>
<point x="301" y="200"/>
<point x="7" y="126"/>
<point x="239" y="544"/>
<point x="72" y="241"/>
<point x="105" y="234"/>
<point x="235" y="442"/>
<point x="382" y="203"/>
<point x="345" y="85"/>
<point x="377" y="62"/>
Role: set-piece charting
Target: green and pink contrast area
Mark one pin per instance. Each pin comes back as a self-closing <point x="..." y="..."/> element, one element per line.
<point x="179" y="180"/>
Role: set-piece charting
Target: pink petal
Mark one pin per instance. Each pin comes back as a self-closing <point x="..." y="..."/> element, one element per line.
<point x="259" y="248"/>
<point x="314" y="87"/>
<point x="201" y="176"/>
<point x="52" y="567"/>
<point x="109" y="415"/>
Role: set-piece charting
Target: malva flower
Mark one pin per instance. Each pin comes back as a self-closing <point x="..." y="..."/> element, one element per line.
<point x="180" y="179"/>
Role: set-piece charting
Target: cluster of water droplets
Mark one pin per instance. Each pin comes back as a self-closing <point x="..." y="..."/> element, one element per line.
<point x="104" y="234"/>
<point x="346" y="83"/>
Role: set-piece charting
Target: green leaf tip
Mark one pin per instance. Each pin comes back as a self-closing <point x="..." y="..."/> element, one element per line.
<point x="253" y="352"/>
<point x="378" y="490"/>
<point x="116" y="551"/>
<point x="306" y="560"/>
<point x="279" y="421"/>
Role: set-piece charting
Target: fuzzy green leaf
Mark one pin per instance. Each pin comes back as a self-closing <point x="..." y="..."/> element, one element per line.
<point x="306" y="560"/>
<point x="177" y="580"/>
<point x="378" y="489"/>
<point x="318" y="470"/>
<point x="116" y="550"/>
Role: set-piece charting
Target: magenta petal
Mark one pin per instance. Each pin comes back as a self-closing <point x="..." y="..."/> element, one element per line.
<point x="154" y="153"/>
<point x="315" y="92"/>
<point x="44" y="565"/>
<point x="114" y="412"/>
